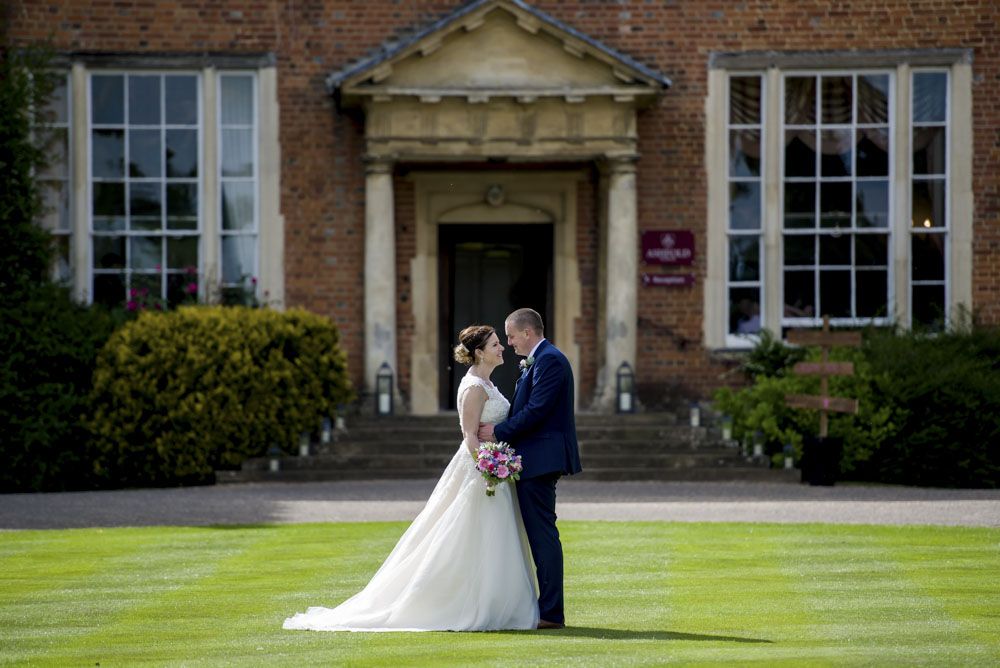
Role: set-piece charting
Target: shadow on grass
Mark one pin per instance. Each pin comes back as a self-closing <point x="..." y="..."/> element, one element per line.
<point x="627" y="634"/>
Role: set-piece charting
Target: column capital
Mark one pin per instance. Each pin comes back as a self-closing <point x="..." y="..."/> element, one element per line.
<point x="619" y="163"/>
<point x="378" y="164"/>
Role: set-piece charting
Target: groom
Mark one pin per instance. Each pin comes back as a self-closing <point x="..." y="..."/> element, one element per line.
<point x="542" y="429"/>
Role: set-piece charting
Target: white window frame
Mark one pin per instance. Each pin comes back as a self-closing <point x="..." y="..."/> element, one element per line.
<point x="960" y="259"/>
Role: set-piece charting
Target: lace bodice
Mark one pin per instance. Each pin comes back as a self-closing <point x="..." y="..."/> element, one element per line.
<point x="496" y="407"/>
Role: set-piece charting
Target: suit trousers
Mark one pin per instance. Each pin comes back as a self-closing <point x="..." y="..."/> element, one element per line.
<point x="537" y="499"/>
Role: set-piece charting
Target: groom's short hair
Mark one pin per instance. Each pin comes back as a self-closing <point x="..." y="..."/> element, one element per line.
<point x="526" y="318"/>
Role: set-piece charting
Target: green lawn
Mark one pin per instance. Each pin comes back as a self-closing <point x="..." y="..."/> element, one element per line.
<point x="637" y="593"/>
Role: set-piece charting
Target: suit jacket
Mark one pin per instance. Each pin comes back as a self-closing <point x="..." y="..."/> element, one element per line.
<point x="542" y="426"/>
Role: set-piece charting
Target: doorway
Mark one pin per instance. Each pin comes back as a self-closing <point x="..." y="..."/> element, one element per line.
<point x="487" y="271"/>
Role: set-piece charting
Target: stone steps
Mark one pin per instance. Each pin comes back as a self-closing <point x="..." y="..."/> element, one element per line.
<point x="645" y="446"/>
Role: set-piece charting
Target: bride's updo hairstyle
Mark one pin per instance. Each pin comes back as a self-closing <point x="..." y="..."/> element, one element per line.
<point x="471" y="339"/>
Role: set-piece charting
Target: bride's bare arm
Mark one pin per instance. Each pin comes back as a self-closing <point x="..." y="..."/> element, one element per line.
<point x="472" y="411"/>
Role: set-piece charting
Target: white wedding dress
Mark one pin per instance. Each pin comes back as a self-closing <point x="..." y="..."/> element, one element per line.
<point x="463" y="565"/>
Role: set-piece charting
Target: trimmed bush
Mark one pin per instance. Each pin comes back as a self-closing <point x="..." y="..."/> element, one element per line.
<point x="947" y="388"/>
<point x="180" y="394"/>
<point x="48" y="348"/>
<point x="929" y="409"/>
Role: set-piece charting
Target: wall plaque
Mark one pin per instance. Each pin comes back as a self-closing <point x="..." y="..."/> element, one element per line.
<point x="672" y="247"/>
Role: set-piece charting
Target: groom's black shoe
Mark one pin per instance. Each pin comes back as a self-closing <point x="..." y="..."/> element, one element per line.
<point x="543" y="624"/>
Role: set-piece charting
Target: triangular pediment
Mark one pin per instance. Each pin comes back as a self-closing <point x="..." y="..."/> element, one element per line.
<point x="495" y="49"/>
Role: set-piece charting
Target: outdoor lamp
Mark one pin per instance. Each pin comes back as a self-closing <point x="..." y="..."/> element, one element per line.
<point x="383" y="390"/>
<point x="758" y="444"/>
<point x="695" y="414"/>
<point x="789" y="459"/>
<point x="274" y="452"/>
<point x="324" y="431"/>
<point x="625" y="388"/>
<point x="304" y="444"/>
<point x="727" y="428"/>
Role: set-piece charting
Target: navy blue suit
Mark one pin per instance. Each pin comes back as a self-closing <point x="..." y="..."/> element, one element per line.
<point x="542" y="429"/>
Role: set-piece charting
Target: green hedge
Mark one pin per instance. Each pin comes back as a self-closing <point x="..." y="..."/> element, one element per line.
<point x="180" y="394"/>
<point x="929" y="408"/>
<point x="49" y="347"/>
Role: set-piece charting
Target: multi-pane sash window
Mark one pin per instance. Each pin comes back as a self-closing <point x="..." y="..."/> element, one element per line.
<point x="837" y="166"/>
<point x="238" y="177"/>
<point x="744" y="133"/>
<point x="928" y="215"/>
<point x="55" y="179"/>
<point x="145" y="142"/>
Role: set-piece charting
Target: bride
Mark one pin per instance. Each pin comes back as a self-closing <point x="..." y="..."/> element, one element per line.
<point x="464" y="564"/>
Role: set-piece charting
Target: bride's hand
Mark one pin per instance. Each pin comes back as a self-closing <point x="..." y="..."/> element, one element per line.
<point x="486" y="433"/>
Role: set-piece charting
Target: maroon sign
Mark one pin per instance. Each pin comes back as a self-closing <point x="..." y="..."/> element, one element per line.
<point x="667" y="280"/>
<point x="668" y="247"/>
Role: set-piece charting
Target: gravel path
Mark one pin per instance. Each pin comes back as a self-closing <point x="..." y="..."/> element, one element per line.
<point x="381" y="500"/>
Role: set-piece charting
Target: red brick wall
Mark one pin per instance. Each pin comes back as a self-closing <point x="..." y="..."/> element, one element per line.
<point x="322" y="175"/>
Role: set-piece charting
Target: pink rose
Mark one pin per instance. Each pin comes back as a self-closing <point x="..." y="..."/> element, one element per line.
<point x="131" y="306"/>
<point x="502" y="471"/>
<point x="502" y="457"/>
<point x="191" y="288"/>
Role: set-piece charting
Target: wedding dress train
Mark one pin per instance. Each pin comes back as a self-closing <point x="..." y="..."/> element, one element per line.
<point x="463" y="564"/>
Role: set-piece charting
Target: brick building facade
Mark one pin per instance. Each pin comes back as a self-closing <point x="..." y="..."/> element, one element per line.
<point x="838" y="158"/>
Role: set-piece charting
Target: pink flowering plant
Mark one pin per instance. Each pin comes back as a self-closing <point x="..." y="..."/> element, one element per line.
<point x="498" y="463"/>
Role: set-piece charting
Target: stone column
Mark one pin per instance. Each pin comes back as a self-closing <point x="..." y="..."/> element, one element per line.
<point x="380" y="275"/>
<point x="621" y="266"/>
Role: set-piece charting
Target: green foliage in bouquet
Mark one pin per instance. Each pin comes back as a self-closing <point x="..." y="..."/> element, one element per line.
<point x="180" y="394"/>
<point x="48" y="348"/>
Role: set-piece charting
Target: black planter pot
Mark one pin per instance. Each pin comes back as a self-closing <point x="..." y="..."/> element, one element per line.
<point x="821" y="460"/>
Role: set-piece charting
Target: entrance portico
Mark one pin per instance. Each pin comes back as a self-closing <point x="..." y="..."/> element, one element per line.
<point x="503" y="82"/>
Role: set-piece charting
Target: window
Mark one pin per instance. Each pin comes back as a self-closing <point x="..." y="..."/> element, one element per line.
<point x="55" y="180"/>
<point x="835" y="206"/>
<point x="833" y="190"/>
<point x="145" y="143"/>
<point x="745" y="209"/>
<point x="238" y="176"/>
<point x="929" y="218"/>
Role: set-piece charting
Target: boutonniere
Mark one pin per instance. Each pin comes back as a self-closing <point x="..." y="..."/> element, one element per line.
<point x="526" y="362"/>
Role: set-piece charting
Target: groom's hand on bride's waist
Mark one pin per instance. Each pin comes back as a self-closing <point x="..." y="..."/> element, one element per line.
<point x="486" y="433"/>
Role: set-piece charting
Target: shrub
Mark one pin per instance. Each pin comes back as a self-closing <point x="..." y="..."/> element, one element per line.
<point x="929" y="408"/>
<point x="771" y="357"/>
<point x="761" y="407"/>
<point x="948" y="388"/>
<point x="48" y="347"/>
<point x="179" y="394"/>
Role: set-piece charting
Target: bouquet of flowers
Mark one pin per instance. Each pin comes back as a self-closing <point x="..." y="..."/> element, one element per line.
<point x="498" y="463"/>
